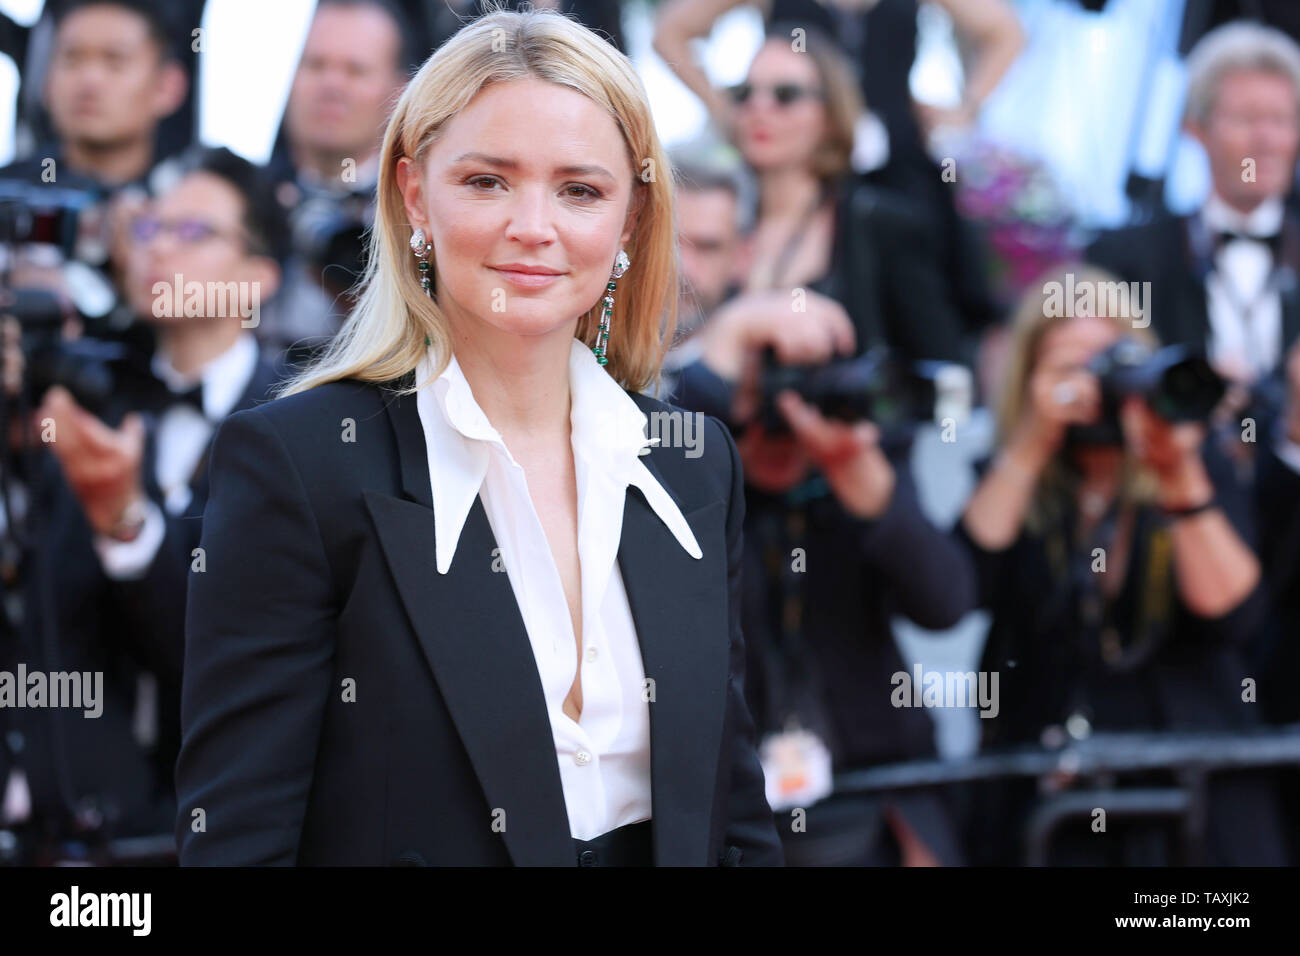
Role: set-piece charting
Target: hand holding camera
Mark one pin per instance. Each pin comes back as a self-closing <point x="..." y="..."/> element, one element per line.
<point x="848" y="455"/>
<point x="741" y="327"/>
<point x="763" y="326"/>
<point x="1172" y="450"/>
<point x="102" y="464"/>
<point x="1154" y="401"/>
<point x="1061" y="393"/>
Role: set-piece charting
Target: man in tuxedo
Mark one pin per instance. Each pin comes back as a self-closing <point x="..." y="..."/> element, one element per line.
<point x="1224" y="277"/>
<point x="123" y="509"/>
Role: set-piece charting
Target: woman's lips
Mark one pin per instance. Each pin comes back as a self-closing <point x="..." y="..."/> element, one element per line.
<point x="528" y="280"/>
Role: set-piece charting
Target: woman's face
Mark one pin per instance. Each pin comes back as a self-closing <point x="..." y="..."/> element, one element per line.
<point x="530" y="174"/>
<point x="1071" y="345"/>
<point x="769" y="134"/>
<point x="1061" y="364"/>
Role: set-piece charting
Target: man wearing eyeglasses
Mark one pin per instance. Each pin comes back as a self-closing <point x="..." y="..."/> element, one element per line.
<point x="124" y="521"/>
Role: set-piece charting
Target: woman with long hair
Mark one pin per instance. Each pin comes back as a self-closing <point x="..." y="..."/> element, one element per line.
<point x="1112" y="548"/>
<point x="431" y="620"/>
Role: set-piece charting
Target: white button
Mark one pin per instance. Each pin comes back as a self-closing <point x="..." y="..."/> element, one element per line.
<point x="591" y="654"/>
<point x="582" y="758"/>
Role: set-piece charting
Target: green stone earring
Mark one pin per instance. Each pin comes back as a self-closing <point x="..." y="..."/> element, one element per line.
<point x="420" y="246"/>
<point x="601" y="348"/>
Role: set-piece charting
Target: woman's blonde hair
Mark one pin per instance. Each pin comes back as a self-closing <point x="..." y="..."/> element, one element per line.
<point x="384" y="336"/>
<point x="1031" y="322"/>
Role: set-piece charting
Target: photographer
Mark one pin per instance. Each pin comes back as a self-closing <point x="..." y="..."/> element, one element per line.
<point x="835" y="545"/>
<point x="122" y="510"/>
<point x="111" y="79"/>
<point x="1112" y="548"/>
<point x="326" y="163"/>
<point x="68" y="782"/>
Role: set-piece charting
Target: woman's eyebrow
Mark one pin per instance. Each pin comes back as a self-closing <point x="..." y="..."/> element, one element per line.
<point x="513" y="164"/>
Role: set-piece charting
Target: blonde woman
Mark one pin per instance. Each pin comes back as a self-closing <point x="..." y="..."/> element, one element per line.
<point x="1112" y="553"/>
<point x="448" y="612"/>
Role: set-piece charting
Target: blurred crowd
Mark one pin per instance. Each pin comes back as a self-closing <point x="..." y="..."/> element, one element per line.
<point x="1133" y="535"/>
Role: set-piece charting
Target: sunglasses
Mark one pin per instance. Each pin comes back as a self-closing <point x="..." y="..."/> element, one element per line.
<point x="188" y="231"/>
<point x="783" y="93"/>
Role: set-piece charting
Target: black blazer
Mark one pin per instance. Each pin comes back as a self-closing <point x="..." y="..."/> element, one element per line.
<point x="887" y="270"/>
<point x="1277" y="502"/>
<point x="320" y="576"/>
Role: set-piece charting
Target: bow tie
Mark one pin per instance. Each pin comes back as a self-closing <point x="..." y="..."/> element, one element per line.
<point x="1273" y="241"/>
<point x="194" y="396"/>
<point x="160" y="396"/>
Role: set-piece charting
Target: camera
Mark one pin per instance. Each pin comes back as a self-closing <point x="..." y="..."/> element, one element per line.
<point x="81" y="366"/>
<point x="895" y="393"/>
<point x="1176" y="382"/>
<point x="329" y="233"/>
<point x="91" y="369"/>
<point x="47" y="215"/>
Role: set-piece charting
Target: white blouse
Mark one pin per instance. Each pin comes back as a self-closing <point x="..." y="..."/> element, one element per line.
<point x="604" y="758"/>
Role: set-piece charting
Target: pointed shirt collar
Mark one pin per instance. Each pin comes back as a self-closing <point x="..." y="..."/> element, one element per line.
<point x="608" y="436"/>
<point x="1265" y="219"/>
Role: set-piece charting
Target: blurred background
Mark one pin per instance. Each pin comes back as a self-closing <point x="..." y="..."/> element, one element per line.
<point x="922" y="173"/>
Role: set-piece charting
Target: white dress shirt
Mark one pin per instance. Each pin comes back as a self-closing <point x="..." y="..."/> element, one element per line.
<point x="182" y="436"/>
<point x="604" y="758"/>
<point x="1243" y="340"/>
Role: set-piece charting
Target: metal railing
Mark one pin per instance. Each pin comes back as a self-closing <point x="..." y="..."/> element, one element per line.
<point x="1191" y="757"/>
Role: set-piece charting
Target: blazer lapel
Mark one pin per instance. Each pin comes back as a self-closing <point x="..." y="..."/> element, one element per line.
<point x="1199" y="252"/>
<point x="1192" y="320"/>
<point x="491" y="684"/>
<point x="679" y="606"/>
<point x="472" y="634"/>
<point x="1289" y="261"/>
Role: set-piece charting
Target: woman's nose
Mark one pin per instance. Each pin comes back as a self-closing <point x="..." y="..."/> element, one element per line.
<point x="531" y="216"/>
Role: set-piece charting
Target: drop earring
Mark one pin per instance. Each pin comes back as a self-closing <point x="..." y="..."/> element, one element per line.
<point x="601" y="348"/>
<point x="420" y="246"/>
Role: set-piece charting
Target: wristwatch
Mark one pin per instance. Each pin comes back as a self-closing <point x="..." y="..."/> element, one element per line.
<point x="1175" y="513"/>
<point x="131" y="523"/>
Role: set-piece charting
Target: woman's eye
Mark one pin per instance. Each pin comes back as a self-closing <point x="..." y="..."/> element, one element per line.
<point x="574" y="190"/>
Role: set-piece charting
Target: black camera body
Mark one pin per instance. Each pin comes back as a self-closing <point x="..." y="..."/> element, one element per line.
<point x="329" y="233"/>
<point x="91" y="369"/>
<point x="1176" y="382"/>
<point x="894" y="393"/>
<point x="48" y="215"/>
